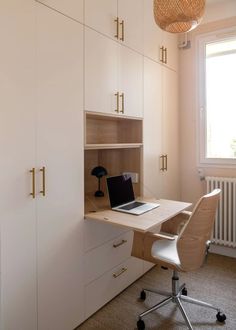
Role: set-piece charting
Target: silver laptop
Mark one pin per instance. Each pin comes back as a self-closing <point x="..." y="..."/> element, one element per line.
<point x="121" y="195"/>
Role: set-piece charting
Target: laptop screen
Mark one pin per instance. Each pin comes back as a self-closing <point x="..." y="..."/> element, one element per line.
<point x="120" y="190"/>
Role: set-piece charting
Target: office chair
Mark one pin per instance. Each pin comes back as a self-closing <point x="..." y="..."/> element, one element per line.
<point x="183" y="249"/>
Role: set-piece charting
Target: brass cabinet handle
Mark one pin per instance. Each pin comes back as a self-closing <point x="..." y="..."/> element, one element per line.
<point x="117" y="28"/>
<point x="122" y="30"/>
<point x="165" y="162"/>
<point x="43" y="191"/>
<point x="162" y="163"/>
<point x="33" y="182"/>
<point x="124" y="269"/>
<point x="165" y="55"/>
<point x="119" y="244"/>
<point x="122" y="103"/>
<point x="162" y="54"/>
<point x="117" y="102"/>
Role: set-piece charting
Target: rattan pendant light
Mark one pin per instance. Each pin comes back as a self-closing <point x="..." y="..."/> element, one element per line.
<point x="178" y="16"/>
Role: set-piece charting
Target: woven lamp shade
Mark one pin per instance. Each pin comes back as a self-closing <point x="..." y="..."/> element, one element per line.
<point x="178" y="16"/>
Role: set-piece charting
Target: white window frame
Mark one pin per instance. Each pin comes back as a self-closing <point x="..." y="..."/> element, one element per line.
<point x="201" y="42"/>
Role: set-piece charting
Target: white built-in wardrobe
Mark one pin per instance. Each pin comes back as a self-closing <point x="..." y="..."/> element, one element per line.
<point x="53" y="271"/>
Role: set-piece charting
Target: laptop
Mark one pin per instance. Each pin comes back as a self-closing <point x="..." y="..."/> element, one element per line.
<point x="122" y="199"/>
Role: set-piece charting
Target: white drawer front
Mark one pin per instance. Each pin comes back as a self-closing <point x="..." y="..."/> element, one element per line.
<point x="100" y="291"/>
<point x="107" y="256"/>
<point x="97" y="233"/>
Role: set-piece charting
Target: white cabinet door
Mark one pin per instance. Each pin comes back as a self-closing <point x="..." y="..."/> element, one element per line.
<point x="152" y="128"/>
<point x="60" y="150"/>
<point x="153" y="35"/>
<point x="17" y="143"/>
<point x="101" y="15"/>
<point x="101" y="72"/>
<point x="70" y="8"/>
<point x="171" y="134"/>
<point x="131" y="12"/>
<point x="131" y="82"/>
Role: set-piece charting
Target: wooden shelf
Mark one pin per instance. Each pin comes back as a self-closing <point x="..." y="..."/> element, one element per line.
<point x="101" y="146"/>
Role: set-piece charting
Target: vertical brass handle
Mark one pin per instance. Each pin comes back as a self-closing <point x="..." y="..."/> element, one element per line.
<point x="117" y="28"/>
<point x="122" y="30"/>
<point x="162" y="54"/>
<point x="117" y="102"/>
<point x="122" y="102"/>
<point x="165" y="162"/>
<point x="165" y="55"/>
<point x="162" y="162"/>
<point x="43" y="191"/>
<point x="33" y="182"/>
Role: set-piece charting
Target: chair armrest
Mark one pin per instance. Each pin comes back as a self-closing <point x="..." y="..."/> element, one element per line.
<point x="175" y="225"/>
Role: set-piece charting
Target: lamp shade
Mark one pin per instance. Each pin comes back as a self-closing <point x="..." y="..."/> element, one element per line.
<point x="178" y="16"/>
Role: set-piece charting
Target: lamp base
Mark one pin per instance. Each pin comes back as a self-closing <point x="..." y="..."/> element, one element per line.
<point x="99" y="193"/>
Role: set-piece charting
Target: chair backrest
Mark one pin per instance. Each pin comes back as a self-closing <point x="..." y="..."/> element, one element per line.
<point x="192" y="240"/>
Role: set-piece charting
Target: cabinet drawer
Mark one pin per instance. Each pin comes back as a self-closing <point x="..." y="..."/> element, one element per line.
<point x="96" y="234"/>
<point x="107" y="256"/>
<point x="100" y="291"/>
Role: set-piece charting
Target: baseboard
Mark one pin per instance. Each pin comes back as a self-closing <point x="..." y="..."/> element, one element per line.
<point x="223" y="250"/>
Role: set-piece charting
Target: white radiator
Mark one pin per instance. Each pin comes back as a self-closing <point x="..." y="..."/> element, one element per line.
<point x="224" y="232"/>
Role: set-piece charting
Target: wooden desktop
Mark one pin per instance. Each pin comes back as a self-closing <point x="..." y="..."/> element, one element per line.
<point x="98" y="210"/>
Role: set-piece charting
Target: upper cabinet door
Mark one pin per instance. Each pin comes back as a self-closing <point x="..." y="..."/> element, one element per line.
<point x="130" y="15"/>
<point x="71" y="8"/>
<point x="130" y="82"/>
<point x="101" y="16"/>
<point x="101" y="73"/>
<point x="121" y="20"/>
<point x="153" y="40"/>
<point x="159" y="45"/>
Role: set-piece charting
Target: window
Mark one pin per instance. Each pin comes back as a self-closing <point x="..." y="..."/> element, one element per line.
<point x="218" y="99"/>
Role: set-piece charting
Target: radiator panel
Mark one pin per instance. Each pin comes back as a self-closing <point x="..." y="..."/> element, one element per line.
<point x="224" y="232"/>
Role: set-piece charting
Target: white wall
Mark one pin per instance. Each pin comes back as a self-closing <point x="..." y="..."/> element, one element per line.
<point x="217" y="16"/>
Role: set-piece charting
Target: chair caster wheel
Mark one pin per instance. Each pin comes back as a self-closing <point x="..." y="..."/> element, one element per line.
<point x="184" y="292"/>
<point x="220" y="317"/>
<point x="140" y="325"/>
<point x="142" y="295"/>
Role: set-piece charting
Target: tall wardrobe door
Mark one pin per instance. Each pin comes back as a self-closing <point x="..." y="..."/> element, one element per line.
<point x="17" y="144"/>
<point x="60" y="151"/>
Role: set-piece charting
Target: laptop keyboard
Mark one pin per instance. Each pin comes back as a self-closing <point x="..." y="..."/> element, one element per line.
<point x="131" y="206"/>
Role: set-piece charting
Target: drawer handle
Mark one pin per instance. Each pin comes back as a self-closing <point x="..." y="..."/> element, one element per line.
<point x="119" y="244"/>
<point x="124" y="269"/>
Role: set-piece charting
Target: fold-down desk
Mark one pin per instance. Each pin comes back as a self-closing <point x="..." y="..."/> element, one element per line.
<point x="143" y="223"/>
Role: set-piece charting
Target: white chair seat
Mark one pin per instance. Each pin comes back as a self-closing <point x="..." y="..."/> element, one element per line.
<point x="166" y="250"/>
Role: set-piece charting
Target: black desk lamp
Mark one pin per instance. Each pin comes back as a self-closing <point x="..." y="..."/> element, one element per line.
<point x="99" y="172"/>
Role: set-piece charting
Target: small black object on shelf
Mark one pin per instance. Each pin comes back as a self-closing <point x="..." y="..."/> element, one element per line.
<point x="99" y="172"/>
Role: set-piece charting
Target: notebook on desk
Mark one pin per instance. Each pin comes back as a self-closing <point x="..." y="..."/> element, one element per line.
<point x="122" y="199"/>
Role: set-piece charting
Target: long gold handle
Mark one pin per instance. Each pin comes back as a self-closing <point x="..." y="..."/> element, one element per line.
<point x="122" y="95"/>
<point x="43" y="191"/>
<point x="122" y="30"/>
<point x="119" y="244"/>
<point x="124" y="269"/>
<point x="165" y="162"/>
<point x="33" y="182"/>
<point x="117" y="101"/>
<point x="162" y="54"/>
<point x="117" y="28"/>
<point x="162" y="163"/>
<point x="165" y="55"/>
